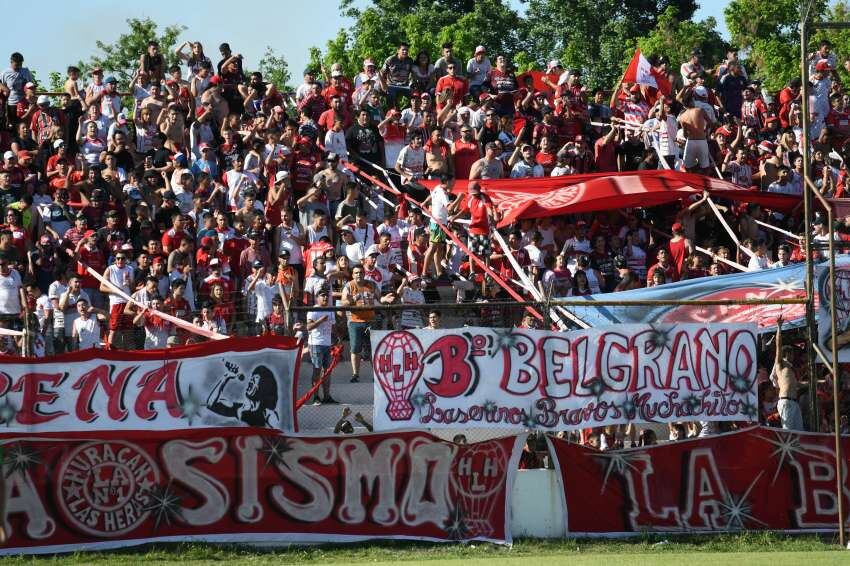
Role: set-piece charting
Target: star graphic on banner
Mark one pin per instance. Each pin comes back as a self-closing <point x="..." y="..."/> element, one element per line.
<point x="737" y="510"/>
<point x="787" y="447"/>
<point x="274" y="448"/>
<point x="8" y="412"/>
<point x="629" y="407"/>
<point x="164" y="504"/>
<point x="596" y="386"/>
<point x="617" y="462"/>
<point x="20" y="458"/>
<point x="418" y="399"/>
<point x="73" y="491"/>
<point x="740" y="384"/>
<point x="786" y="285"/>
<point x="489" y="406"/>
<point x="455" y="525"/>
<point x="693" y="403"/>
<point x="505" y="339"/>
<point x="749" y="410"/>
<point x="191" y="405"/>
<point x="660" y="338"/>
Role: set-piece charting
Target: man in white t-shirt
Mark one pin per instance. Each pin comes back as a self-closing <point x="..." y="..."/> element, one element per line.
<point x="86" y="328"/>
<point x="319" y="338"/>
<point x="68" y="299"/>
<point x="260" y="291"/>
<point x="11" y="294"/>
<point x="439" y="201"/>
<point x="54" y="292"/>
<point x="120" y="275"/>
<point x="411" y="293"/>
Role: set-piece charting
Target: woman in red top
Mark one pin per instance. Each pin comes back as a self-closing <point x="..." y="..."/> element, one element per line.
<point x="680" y="248"/>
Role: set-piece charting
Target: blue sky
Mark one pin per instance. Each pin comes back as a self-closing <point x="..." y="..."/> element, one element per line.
<point x="68" y="33"/>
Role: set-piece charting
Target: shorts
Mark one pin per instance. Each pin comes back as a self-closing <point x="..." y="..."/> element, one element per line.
<point x="320" y="356"/>
<point x="118" y="320"/>
<point x="357" y="336"/>
<point x="436" y="234"/>
<point x="790" y="414"/>
<point x="696" y="151"/>
<point x="480" y="245"/>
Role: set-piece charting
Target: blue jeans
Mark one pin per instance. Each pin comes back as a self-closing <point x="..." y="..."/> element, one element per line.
<point x="393" y="92"/>
<point x="320" y="356"/>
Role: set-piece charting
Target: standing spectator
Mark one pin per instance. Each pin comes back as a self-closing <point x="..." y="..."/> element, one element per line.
<point x="86" y="329"/>
<point x="120" y="275"/>
<point x="320" y="326"/>
<point x="14" y="79"/>
<point x="478" y="70"/>
<point x="396" y="74"/>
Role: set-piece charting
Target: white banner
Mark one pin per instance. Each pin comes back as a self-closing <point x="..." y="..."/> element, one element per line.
<point x="534" y="379"/>
<point x="234" y="382"/>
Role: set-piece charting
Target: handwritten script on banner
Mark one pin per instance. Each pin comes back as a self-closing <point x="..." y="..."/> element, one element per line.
<point x="233" y="382"/>
<point x="517" y="378"/>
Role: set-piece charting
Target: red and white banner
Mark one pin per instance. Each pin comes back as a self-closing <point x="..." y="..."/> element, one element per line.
<point x="105" y="490"/>
<point x="520" y="379"/>
<point x="641" y="71"/>
<point x="759" y="478"/>
<point x="233" y="382"/>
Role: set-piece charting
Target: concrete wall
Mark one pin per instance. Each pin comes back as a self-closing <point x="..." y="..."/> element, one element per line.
<point x="537" y="505"/>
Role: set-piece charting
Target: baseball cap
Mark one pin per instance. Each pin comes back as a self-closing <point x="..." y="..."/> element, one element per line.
<point x="554" y="63"/>
<point x="823" y="65"/>
<point x="96" y="71"/>
<point x="676" y="227"/>
<point x="169" y="195"/>
<point x="121" y="118"/>
<point x="112" y="214"/>
<point x="368" y="62"/>
<point x="767" y="146"/>
<point x="110" y="79"/>
<point x="480" y="49"/>
<point x="333" y="157"/>
<point x="701" y="91"/>
<point x="214" y="261"/>
<point x="215" y="80"/>
<point x="29" y="85"/>
<point x="281" y="176"/>
<point x="257" y="264"/>
<point x="58" y="143"/>
<point x="283" y="253"/>
<point x="43" y="100"/>
<point x="8" y="155"/>
<point x="336" y="73"/>
<point x="89" y="234"/>
<point x="254" y="235"/>
<point x="207" y="240"/>
<point x="205" y="146"/>
<point x="484" y="96"/>
<point x="372" y="250"/>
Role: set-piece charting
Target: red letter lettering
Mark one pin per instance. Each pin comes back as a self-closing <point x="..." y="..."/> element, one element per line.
<point x="87" y="386"/>
<point x="159" y="385"/>
<point x="34" y="394"/>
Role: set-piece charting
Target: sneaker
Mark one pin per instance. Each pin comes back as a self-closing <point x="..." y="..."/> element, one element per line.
<point x="330" y="400"/>
<point x="354" y="379"/>
<point x="316" y="400"/>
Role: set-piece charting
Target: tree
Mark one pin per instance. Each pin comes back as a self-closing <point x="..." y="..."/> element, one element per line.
<point x="121" y="58"/>
<point x="675" y="39"/>
<point x="380" y="28"/>
<point x="597" y="37"/>
<point x="275" y="69"/>
<point x="770" y="33"/>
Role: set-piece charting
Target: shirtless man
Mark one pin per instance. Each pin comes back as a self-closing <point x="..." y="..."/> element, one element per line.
<point x="785" y="378"/>
<point x="695" y="123"/>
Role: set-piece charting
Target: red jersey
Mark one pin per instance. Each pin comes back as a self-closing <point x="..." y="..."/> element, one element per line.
<point x="232" y="248"/>
<point x="94" y="259"/>
<point x="678" y="253"/>
<point x="171" y="239"/>
<point x="479" y="219"/>
<point x="466" y="154"/>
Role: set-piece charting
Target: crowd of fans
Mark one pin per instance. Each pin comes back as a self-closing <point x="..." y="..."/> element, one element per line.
<point x="209" y="194"/>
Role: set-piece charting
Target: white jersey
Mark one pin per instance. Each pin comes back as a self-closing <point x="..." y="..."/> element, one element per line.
<point x="122" y="278"/>
<point x="88" y="331"/>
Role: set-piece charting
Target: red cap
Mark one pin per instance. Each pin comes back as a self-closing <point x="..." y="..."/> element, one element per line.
<point x="200" y="111"/>
<point x="722" y="131"/>
<point x="484" y="96"/>
<point x="215" y="80"/>
<point x="823" y="65"/>
<point x="676" y="227"/>
<point x="157" y="260"/>
<point x="206" y="241"/>
<point x="635" y="88"/>
<point x="23" y="154"/>
<point x="89" y="234"/>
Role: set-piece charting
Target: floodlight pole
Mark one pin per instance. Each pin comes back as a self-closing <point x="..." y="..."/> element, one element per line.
<point x="810" y="191"/>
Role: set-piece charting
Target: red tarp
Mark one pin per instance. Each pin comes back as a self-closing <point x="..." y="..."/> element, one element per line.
<point x="593" y="192"/>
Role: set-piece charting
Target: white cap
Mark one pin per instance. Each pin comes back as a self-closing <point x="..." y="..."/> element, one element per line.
<point x="553" y="63"/>
<point x="563" y="78"/>
<point x="43" y="100"/>
<point x="373" y="249"/>
<point x="58" y="143"/>
<point x="480" y="49"/>
<point x="8" y="155"/>
<point x="280" y="176"/>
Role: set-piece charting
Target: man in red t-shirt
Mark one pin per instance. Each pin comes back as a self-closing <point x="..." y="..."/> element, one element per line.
<point x="465" y="152"/>
<point x="172" y="238"/>
<point x="680" y="248"/>
<point x="662" y="265"/>
<point x="451" y="87"/>
<point x="482" y="216"/>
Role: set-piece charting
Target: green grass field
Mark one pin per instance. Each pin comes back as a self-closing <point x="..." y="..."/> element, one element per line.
<point x="747" y="549"/>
